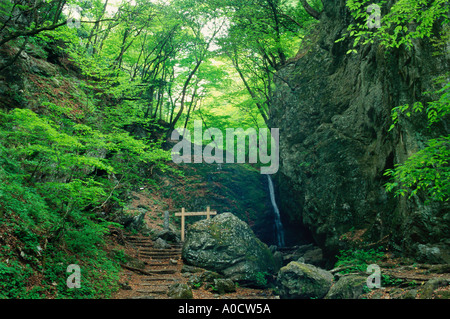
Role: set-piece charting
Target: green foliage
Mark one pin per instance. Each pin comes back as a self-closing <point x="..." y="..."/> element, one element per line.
<point x="13" y="279"/>
<point x="261" y="278"/>
<point x="48" y="194"/>
<point x="426" y="171"/>
<point x="400" y="24"/>
<point x="357" y="260"/>
<point x="387" y="280"/>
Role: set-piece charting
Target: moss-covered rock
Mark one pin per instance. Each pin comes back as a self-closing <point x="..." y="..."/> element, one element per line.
<point x="223" y="286"/>
<point x="348" y="287"/>
<point x="303" y="281"/>
<point x="227" y="245"/>
<point x="180" y="291"/>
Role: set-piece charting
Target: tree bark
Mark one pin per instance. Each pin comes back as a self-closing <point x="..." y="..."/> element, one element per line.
<point x="310" y="10"/>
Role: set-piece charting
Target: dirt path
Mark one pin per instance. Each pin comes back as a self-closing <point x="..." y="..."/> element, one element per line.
<point x="163" y="267"/>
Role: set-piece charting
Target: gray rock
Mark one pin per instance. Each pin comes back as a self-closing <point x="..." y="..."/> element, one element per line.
<point x="314" y="257"/>
<point x="136" y="223"/>
<point x="195" y="281"/>
<point x="210" y="276"/>
<point x="161" y="244"/>
<point x="180" y="291"/>
<point x="410" y="294"/>
<point x="426" y="292"/>
<point x="347" y="287"/>
<point x="190" y="269"/>
<point x="167" y="235"/>
<point x="308" y="254"/>
<point x="303" y="281"/>
<point x="223" y="286"/>
<point x="433" y="254"/>
<point x="227" y="245"/>
<point x="278" y="258"/>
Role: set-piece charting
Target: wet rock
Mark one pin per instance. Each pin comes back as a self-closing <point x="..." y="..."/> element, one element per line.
<point x="227" y="245"/>
<point x="303" y="281"/>
<point x="433" y="254"/>
<point x="168" y="235"/>
<point x="135" y="223"/>
<point x="223" y="286"/>
<point x="161" y="244"/>
<point x="180" y="291"/>
<point x="347" y="287"/>
<point x="426" y="292"/>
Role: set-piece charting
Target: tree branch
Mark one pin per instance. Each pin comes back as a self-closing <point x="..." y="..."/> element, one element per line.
<point x="310" y="10"/>
<point x="31" y="32"/>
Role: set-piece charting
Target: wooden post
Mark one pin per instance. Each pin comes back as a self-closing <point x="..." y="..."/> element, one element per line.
<point x="183" y="214"/>
<point x="182" y="224"/>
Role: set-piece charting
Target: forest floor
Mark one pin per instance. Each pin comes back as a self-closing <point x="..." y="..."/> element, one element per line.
<point x="406" y="277"/>
<point x="402" y="278"/>
<point x="136" y="285"/>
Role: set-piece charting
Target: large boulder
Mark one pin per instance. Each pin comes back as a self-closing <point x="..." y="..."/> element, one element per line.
<point x="227" y="245"/>
<point x="348" y="287"/>
<point x="303" y="281"/>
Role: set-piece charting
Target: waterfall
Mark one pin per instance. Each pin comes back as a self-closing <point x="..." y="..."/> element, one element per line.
<point x="278" y="224"/>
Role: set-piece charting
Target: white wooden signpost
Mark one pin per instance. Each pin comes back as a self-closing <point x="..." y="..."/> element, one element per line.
<point x="183" y="214"/>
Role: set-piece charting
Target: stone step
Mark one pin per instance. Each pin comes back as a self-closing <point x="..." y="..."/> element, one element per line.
<point x="138" y="242"/>
<point x="161" y="279"/>
<point x="160" y="252"/>
<point x="154" y="255"/>
<point x="162" y="264"/>
<point x="162" y="271"/>
<point x="149" y="246"/>
<point x="167" y="285"/>
<point x="136" y="237"/>
<point x="143" y="297"/>
<point x="157" y="292"/>
<point x="166" y="251"/>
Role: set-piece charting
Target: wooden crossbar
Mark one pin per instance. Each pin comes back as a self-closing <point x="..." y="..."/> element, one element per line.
<point x="184" y="214"/>
<point x="213" y="212"/>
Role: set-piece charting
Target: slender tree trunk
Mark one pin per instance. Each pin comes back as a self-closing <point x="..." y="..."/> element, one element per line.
<point x="250" y="91"/>
<point x="183" y="94"/>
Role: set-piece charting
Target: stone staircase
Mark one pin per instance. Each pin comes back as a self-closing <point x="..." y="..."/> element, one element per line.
<point x="162" y="267"/>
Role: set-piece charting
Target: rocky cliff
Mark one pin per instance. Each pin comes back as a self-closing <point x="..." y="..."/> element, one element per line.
<point x="334" y="112"/>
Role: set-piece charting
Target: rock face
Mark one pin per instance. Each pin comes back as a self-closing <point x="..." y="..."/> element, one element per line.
<point x="227" y="245"/>
<point x="334" y="111"/>
<point x="303" y="281"/>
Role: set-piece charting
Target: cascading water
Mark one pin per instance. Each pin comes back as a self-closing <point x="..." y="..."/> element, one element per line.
<point x="278" y="224"/>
